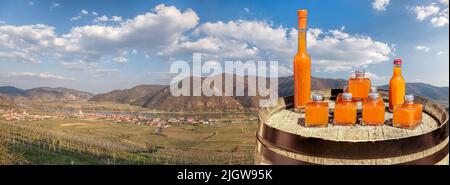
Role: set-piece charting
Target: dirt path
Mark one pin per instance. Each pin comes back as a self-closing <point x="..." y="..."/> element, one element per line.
<point x="210" y="136"/>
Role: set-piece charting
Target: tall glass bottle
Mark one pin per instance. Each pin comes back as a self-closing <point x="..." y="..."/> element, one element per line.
<point x="302" y="66"/>
<point x="397" y="87"/>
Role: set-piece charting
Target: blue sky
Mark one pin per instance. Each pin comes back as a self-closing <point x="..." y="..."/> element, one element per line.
<point x="100" y="45"/>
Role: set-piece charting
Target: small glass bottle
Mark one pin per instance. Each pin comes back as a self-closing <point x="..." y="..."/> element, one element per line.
<point x="316" y="112"/>
<point x="359" y="86"/>
<point x="345" y="111"/>
<point x="374" y="89"/>
<point x="408" y="115"/>
<point x="339" y="96"/>
<point x="373" y="110"/>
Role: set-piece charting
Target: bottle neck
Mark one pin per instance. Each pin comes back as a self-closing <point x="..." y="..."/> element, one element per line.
<point x="302" y="40"/>
<point x="408" y="105"/>
<point x="397" y="71"/>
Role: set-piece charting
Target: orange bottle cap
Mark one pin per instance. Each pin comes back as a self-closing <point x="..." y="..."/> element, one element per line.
<point x="302" y="16"/>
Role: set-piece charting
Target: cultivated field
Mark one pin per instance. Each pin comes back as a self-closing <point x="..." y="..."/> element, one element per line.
<point x="92" y="141"/>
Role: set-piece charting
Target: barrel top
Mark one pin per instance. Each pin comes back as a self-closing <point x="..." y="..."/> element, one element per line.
<point x="285" y="119"/>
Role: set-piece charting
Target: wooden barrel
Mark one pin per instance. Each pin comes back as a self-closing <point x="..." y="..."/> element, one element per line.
<point x="282" y="139"/>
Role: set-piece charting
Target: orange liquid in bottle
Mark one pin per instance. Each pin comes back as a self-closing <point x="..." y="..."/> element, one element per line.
<point x="407" y="115"/>
<point x="397" y="87"/>
<point x="316" y="112"/>
<point x="359" y="86"/>
<point x="373" y="111"/>
<point x="302" y="66"/>
<point x="345" y="111"/>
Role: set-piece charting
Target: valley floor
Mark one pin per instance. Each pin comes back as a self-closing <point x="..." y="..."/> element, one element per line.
<point x="61" y="138"/>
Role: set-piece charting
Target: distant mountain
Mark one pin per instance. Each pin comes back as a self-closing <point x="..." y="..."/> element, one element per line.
<point x="10" y="90"/>
<point x="425" y="90"/>
<point x="128" y="95"/>
<point x="286" y="84"/>
<point x="160" y="97"/>
<point x="43" y="94"/>
<point x="164" y="100"/>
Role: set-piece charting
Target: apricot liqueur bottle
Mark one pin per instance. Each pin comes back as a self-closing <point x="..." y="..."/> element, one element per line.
<point x="408" y="115"/>
<point x="359" y="86"/>
<point x="374" y="89"/>
<point x="373" y="110"/>
<point x="339" y="96"/>
<point x="345" y="111"/>
<point x="302" y="66"/>
<point x="397" y="87"/>
<point x="316" y="112"/>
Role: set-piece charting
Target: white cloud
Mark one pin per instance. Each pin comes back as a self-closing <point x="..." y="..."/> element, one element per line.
<point x="333" y="50"/>
<point x="116" y="18"/>
<point x="441" y="19"/>
<point x="33" y="75"/>
<point x="84" y="12"/>
<point x="76" y="18"/>
<point x="374" y="76"/>
<point x="26" y="43"/>
<point x="104" y="18"/>
<point x="423" y="12"/>
<point x="94" y="13"/>
<point x="54" y="5"/>
<point x="380" y="5"/>
<point x="170" y="33"/>
<point x="440" y="53"/>
<point x="103" y="72"/>
<point x="79" y="65"/>
<point x="150" y="32"/>
<point x="80" y="15"/>
<point x="101" y="19"/>
<point x="437" y="12"/>
<point x="18" y="57"/>
<point x="120" y="59"/>
<point x="423" y="48"/>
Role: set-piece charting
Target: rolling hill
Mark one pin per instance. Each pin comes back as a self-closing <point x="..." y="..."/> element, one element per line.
<point x="425" y="90"/>
<point x="159" y="97"/>
<point x="164" y="100"/>
<point x="129" y="96"/>
<point x="43" y="94"/>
